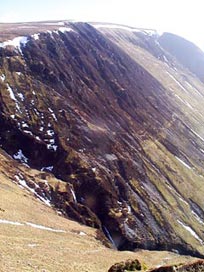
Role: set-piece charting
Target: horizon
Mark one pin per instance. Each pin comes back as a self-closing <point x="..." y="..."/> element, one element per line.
<point x="180" y="18"/>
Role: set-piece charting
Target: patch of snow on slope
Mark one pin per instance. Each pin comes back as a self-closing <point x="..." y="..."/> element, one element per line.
<point x="3" y="221"/>
<point x="191" y="231"/>
<point x="184" y="102"/>
<point x="21" y="96"/>
<point x="197" y="217"/>
<point x="16" y="42"/>
<point x="3" y="77"/>
<point x="43" y="227"/>
<point x="47" y="168"/>
<point x="111" y="157"/>
<point x="20" y="156"/>
<point x="65" y="29"/>
<point x="23" y="183"/>
<point x="197" y="135"/>
<point x="185" y="164"/>
<point x="36" y="36"/>
<point x="52" y="114"/>
<point x="12" y="95"/>
<point x="178" y="83"/>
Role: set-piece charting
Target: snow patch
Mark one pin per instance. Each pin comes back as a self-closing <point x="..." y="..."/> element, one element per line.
<point x="94" y="169"/>
<point x="21" y="96"/>
<point x="47" y="168"/>
<point x="20" y="156"/>
<point x="52" y="114"/>
<point x="65" y="29"/>
<point x="197" y="135"/>
<point x="185" y="164"/>
<point x="184" y="102"/>
<point x="43" y="227"/>
<point x="191" y="231"/>
<point x="111" y="157"/>
<point x="11" y="92"/>
<point x="23" y="183"/>
<point x="3" y="77"/>
<point x="176" y="81"/>
<point x="17" y="42"/>
<point x="3" y="221"/>
<point x="197" y="217"/>
<point x="36" y="36"/>
<point x="82" y="233"/>
<point x="50" y="132"/>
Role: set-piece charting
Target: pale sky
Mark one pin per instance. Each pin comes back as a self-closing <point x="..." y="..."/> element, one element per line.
<point x="182" y="17"/>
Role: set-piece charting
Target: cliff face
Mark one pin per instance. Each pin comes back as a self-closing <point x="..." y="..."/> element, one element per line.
<point x="117" y="121"/>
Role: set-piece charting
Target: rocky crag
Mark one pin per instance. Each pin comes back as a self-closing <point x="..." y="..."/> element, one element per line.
<point x="113" y="121"/>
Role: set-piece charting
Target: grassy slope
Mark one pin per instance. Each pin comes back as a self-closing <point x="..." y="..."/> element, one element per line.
<point x="24" y="248"/>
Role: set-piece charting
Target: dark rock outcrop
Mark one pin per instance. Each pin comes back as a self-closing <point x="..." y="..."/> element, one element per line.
<point x="129" y="265"/>
<point x="197" y="266"/>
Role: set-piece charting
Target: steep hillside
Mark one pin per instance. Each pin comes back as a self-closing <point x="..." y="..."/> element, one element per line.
<point x="118" y="120"/>
<point x="34" y="237"/>
<point x="186" y="52"/>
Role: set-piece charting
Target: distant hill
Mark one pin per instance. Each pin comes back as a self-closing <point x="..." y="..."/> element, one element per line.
<point x="186" y="53"/>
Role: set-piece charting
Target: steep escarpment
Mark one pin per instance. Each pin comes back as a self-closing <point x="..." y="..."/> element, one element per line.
<point x="118" y="120"/>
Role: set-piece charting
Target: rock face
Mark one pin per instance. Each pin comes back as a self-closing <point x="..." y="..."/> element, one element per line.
<point x="117" y="121"/>
<point x="197" y="266"/>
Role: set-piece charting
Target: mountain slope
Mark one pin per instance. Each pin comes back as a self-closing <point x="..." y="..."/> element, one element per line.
<point x="34" y="237"/>
<point x="186" y="52"/>
<point x="115" y="117"/>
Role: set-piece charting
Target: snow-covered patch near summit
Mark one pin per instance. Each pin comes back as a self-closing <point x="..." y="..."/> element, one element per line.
<point x="65" y="29"/>
<point x="16" y="42"/>
<point x="36" y="36"/>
